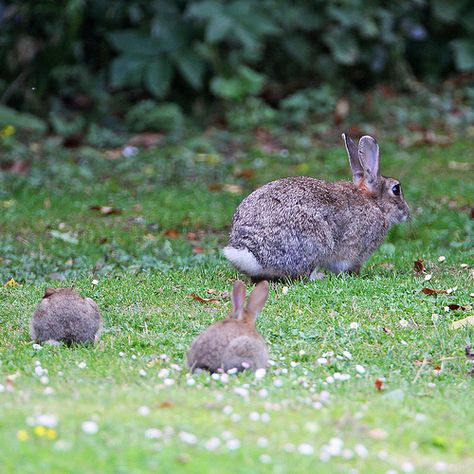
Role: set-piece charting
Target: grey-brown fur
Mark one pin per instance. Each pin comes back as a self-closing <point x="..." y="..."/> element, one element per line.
<point x="65" y="316"/>
<point x="293" y="226"/>
<point x="233" y="342"/>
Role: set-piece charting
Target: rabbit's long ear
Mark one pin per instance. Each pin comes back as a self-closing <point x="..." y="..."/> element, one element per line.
<point x="238" y="299"/>
<point x="353" y="154"/>
<point x="369" y="158"/>
<point x="257" y="300"/>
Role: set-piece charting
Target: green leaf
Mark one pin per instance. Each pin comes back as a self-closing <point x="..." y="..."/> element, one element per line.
<point x="191" y="67"/>
<point x="21" y="120"/>
<point x="158" y="77"/>
<point x="127" y="71"/>
<point x="463" y="54"/>
<point x="343" y="47"/>
<point x="134" y="43"/>
<point x="218" y="28"/>
<point x="247" y="82"/>
<point x="447" y="11"/>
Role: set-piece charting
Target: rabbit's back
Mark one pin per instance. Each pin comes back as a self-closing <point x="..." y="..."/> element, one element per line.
<point x="208" y="350"/>
<point x="66" y="319"/>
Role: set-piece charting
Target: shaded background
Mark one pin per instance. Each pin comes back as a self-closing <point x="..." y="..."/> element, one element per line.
<point x="86" y="68"/>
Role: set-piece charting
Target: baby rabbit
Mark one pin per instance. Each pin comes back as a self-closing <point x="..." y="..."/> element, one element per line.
<point x="233" y="342"/>
<point x="65" y="316"/>
<point x="293" y="226"/>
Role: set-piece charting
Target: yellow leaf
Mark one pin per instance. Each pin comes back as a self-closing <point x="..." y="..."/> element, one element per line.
<point x="469" y="321"/>
<point x="11" y="282"/>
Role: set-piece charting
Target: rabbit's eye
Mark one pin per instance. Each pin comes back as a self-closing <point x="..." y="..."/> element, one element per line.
<point x="396" y="189"/>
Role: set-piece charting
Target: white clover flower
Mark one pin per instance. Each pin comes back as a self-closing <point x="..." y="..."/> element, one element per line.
<point x="322" y="361"/>
<point x="187" y="438"/>
<point x="243" y="392"/>
<point x="361" y="451"/>
<point x="265" y="459"/>
<point x="235" y="417"/>
<point x="265" y="417"/>
<point x="441" y="258"/>
<point x="90" y="427"/>
<point x="263" y="393"/>
<point x="260" y="373"/>
<point x="82" y="365"/>
<point x="403" y="323"/>
<point x="212" y="444"/>
<point x="262" y="442"/>
<point x="49" y="421"/>
<point x="306" y="449"/>
<point x="168" y="382"/>
<point x="254" y="416"/>
<point x="153" y="433"/>
<point x="163" y="373"/>
<point x="142" y="373"/>
<point x="224" y="378"/>
<point x="190" y="382"/>
<point x="354" y="325"/>
<point x="143" y="411"/>
<point x="233" y="444"/>
<point x="360" y="369"/>
<point x="347" y="354"/>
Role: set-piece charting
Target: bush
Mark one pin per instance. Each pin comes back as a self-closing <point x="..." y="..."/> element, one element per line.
<point x="171" y="50"/>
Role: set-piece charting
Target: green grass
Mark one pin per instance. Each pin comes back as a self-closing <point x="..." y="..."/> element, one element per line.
<point x="423" y="417"/>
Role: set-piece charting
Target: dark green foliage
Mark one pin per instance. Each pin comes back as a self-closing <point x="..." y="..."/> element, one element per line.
<point x="83" y="51"/>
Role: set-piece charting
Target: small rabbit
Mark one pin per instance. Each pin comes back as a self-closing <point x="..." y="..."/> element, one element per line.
<point x="233" y="342"/>
<point x="65" y="316"/>
<point x="294" y="226"/>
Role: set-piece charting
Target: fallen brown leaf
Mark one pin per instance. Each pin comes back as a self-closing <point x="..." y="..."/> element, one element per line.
<point x="166" y="404"/>
<point x="106" y="210"/>
<point x="379" y="384"/>
<point x="455" y="307"/>
<point x="191" y="236"/>
<point x="387" y="331"/>
<point x="171" y="233"/>
<point x="113" y="154"/>
<point x="245" y="173"/>
<point x="341" y="111"/>
<point x="430" y="291"/>
<point x="419" y="266"/>
<point x="198" y="250"/>
<point x="145" y="140"/>
<point x="204" y="300"/>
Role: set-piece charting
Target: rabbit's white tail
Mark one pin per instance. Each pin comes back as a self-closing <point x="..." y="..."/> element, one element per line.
<point x="243" y="260"/>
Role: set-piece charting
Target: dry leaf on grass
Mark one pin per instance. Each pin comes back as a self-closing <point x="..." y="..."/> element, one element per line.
<point x="204" y="300"/>
<point x="379" y="384"/>
<point x="244" y="173"/>
<point x="431" y="291"/>
<point x="455" y="307"/>
<point x="11" y="282"/>
<point x="106" y="210"/>
<point x="145" y="140"/>
<point x="419" y="266"/>
<point x="171" y="233"/>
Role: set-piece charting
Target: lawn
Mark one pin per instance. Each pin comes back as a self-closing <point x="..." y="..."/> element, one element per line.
<point x="367" y="374"/>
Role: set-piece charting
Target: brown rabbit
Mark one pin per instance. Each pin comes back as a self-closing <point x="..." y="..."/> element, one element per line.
<point x="233" y="342"/>
<point x="65" y="316"/>
<point x="292" y="227"/>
